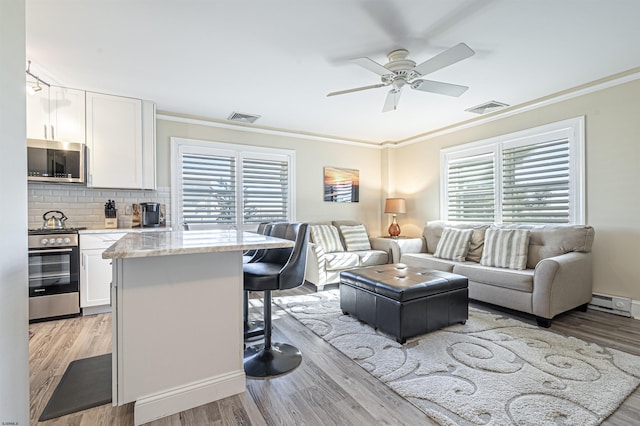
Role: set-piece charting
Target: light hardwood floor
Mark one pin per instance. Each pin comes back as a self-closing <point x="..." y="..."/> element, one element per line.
<point x="328" y="388"/>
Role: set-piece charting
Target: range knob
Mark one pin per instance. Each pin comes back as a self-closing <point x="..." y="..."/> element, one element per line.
<point x="67" y="240"/>
<point x="52" y="241"/>
<point x="59" y="240"/>
<point x="44" y="241"/>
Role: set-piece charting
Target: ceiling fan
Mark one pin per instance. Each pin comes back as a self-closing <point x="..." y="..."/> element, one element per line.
<point x="401" y="71"/>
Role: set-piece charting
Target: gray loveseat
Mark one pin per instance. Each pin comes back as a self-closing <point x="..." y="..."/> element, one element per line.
<point x="324" y="263"/>
<point x="557" y="277"/>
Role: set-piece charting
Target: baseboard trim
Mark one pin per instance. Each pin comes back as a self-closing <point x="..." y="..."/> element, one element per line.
<point x="635" y="309"/>
<point x="182" y="398"/>
<point x="94" y="310"/>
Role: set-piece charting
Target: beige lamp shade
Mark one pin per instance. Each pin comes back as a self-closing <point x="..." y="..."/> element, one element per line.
<point x="395" y="206"/>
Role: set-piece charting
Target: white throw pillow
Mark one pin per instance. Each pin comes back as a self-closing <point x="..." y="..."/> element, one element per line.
<point x="327" y="237"/>
<point x="506" y="248"/>
<point x="355" y="237"/>
<point x="454" y="244"/>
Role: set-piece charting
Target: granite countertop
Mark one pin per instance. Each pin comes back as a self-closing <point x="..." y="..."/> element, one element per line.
<point x="146" y="244"/>
<point x="124" y="230"/>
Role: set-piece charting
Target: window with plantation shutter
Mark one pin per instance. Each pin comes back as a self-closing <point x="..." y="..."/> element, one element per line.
<point x="536" y="183"/>
<point x="208" y="189"/>
<point x="471" y="189"/>
<point x="218" y="185"/>
<point x="265" y="190"/>
<point x="534" y="176"/>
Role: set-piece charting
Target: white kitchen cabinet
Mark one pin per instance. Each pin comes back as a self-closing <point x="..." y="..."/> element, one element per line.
<point x="56" y="113"/>
<point x="120" y="142"/>
<point x="148" y="145"/>
<point x="95" y="272"/>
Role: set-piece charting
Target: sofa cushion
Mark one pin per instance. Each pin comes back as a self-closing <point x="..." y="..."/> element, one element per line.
<point x="454" y="244"/>
<point x="426" y="260"/>
<point x="327" y="237"/>
<point x="355" y="237"/>
<point x="341" y="260"/>
<point x="372" y="257"/>
<point x="508" y="278"/>
<point x="433" y="231"/>
<point x="505" y="248"/>
<point x="553" y="240"/>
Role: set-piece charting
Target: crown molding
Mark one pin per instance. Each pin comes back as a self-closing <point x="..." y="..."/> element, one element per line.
<point x="263" y="130"/>
<point x="615" y="80"/>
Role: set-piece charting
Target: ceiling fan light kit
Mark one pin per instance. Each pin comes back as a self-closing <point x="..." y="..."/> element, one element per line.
<point x="401" y="71"/>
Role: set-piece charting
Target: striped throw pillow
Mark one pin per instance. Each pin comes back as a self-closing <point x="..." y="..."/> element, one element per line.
<point x="453" y="244"/>
<point x="327" y="237"/>
<point x="506" y="248"/>
<point x="355" y="237"/>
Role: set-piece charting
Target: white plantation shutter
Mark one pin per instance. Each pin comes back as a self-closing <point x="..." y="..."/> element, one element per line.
<point x="265" y="190"/>
<point x="532" y="176"/>
<point x="471" y="188"/>
<point x="228" y="185"/>
<point x="208" y="189"/>
<point x="536" y="183"/>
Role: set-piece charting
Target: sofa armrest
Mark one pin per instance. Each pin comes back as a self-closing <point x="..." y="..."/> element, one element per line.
<point x="561" y="283"/>
<point x="397" y="247"/>
<point x="316" y="272"/>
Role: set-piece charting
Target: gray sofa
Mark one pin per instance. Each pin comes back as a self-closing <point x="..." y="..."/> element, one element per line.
<point x="324" y="267"/>
<point x="557" y="278"/>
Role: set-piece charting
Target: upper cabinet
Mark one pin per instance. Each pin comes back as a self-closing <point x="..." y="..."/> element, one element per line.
<point x="56" y="113"/>
<point x="120" y="142"/>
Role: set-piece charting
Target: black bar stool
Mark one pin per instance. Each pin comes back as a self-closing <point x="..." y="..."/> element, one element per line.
<point x="278" y="269"/>
<point x="254" y="329"/>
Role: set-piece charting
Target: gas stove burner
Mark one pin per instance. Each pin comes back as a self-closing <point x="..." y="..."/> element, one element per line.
<point x="42" y="231"/>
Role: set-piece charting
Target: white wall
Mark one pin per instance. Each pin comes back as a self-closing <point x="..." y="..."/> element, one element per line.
<point x="14" y="351"/>
<point x="612" y="176"/>
<point x="311" y="157"/>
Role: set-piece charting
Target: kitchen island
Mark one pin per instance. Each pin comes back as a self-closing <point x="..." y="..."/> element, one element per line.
<point x="177" y="318"/>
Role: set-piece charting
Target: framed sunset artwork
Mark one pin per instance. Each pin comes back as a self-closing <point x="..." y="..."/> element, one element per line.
<point x="341" y="185"/>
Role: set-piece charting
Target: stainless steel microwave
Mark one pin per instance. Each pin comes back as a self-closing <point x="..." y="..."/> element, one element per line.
<point x="53" y="161"/>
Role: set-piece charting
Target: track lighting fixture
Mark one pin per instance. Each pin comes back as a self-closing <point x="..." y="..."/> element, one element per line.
<point x="32" y="88"/>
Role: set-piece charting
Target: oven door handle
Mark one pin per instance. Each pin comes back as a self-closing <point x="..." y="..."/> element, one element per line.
<point x="50" y="251"/>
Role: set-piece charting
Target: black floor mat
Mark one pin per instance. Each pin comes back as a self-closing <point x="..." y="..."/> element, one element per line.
<point x="85" y="384"/>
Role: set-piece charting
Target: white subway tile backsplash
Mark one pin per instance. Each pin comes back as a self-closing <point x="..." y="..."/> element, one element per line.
<point x="85" y="206"/>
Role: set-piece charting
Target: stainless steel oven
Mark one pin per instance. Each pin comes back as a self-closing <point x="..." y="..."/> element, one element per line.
<point x="54" y="274"/>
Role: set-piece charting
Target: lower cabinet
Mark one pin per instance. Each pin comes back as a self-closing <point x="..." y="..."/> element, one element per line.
<point x="95" y="272"/>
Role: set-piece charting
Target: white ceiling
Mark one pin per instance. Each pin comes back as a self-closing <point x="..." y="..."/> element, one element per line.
<point x="280" y="58"/>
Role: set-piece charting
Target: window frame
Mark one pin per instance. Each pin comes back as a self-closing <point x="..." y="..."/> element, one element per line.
<point x="571" y="129"/>
<point x="179" y="145"/>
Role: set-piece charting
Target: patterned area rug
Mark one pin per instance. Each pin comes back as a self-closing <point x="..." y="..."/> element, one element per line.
<point x="491" y="371"/>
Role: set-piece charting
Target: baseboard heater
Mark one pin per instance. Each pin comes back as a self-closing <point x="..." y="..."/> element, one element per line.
<point x="612" y="304"/>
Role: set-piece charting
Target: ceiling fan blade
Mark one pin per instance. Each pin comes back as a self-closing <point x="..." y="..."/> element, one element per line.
<point x="389" y="18"/>
<point x="448" y="57"/>
<point x="357" y="89"/>
<point x="371" y="65"/>
<point x="439" y="87"/>
<point x="391" y="103"/>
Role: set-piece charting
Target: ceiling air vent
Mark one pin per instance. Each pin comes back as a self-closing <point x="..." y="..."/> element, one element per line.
<point x="487" y="107"/>
<point x="243" y="118"/>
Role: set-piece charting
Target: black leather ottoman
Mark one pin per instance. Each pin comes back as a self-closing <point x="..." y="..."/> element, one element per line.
<point x="404" y="301"/>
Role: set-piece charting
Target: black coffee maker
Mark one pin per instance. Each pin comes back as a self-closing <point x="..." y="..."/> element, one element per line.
<point x="150" y="214"/>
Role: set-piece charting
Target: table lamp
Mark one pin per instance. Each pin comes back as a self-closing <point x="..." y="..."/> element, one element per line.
<point x="395" y="206"/>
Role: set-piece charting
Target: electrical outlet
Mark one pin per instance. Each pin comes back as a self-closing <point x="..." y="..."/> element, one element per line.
<point x="127" y="210"/>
